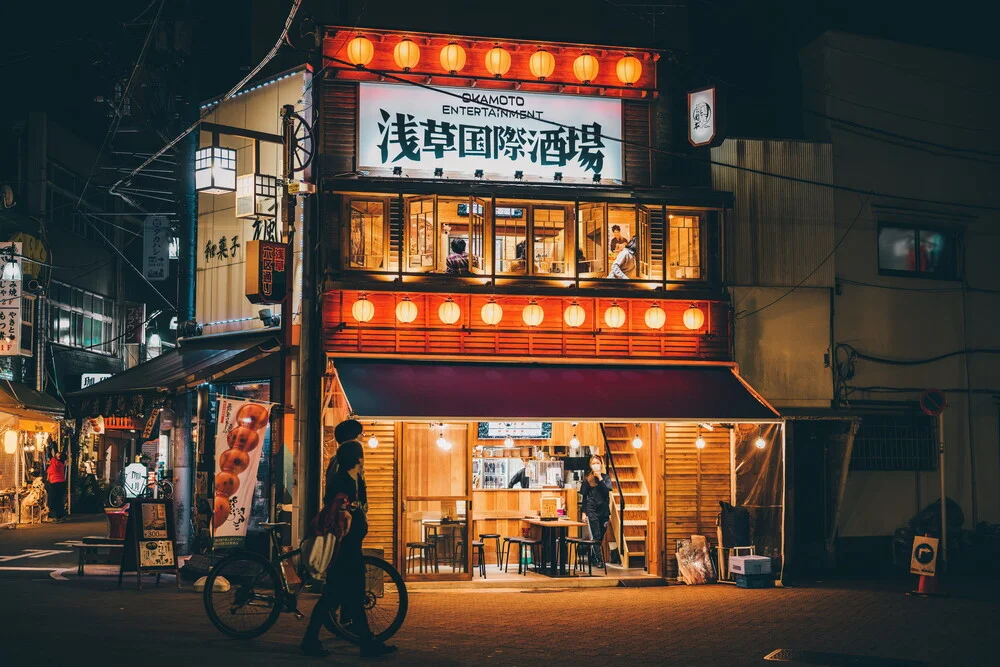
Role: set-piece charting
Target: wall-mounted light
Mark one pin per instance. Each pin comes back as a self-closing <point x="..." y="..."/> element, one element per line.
<point x="478" y="173"/>
<point x="614" y="316"/>
<point x="760" y="442"/>
<point x="154" y="346"/>
<point x="637" y="441"/>
<point x="363" y="310"/>
<point x="406" y="310"/>
<point x="574" y="315"/>
<point x="373" y="441"/>
<point x="215" y="170"/>
<point x="256" y="196"/>
<point x="397" y="171"/>
<point x="629" y="69"/>
<point x="360" y="51"/>
<point x="406" y="54"/>
<point x="693" y="317"/>
<point x="596" y="178"/>
<point x="542" y="64"/>
<point x="508" y="442"/>
<point x="574" y="442"/>
<point x="491" y="313"/>
<point x="655" y="317"/>
<point x="497" y="61"/>
<point x="557" y="177"/>
<point x="518" y="175"/>
<point x="449" y="312"/>
<point x="453" y="58"/>
<point x="443" y="444"/>
<point x="533" y="314"/>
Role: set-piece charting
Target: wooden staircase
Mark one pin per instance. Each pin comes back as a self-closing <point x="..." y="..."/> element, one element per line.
<point x="632" y="486"/>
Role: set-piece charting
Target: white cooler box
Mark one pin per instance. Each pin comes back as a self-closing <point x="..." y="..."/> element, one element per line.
<point x="750" y="565"/>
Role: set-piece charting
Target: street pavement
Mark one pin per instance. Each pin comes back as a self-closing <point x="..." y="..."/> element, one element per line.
<point x="100" y="624"/>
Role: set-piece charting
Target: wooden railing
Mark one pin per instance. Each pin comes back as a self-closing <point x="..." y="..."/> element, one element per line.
<point x="617" y="512"/>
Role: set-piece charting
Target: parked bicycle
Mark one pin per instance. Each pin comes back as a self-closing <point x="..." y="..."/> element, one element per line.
<point x="117" y="496"/>
<point x="245" y="593"/>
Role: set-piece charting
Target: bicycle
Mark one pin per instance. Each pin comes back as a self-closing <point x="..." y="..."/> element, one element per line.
<point x="117" y="495"/>
<point x="245" y="594"/>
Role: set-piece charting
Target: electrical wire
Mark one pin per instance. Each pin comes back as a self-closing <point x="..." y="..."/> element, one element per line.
<point x="928" y="290"/>
<point x="857" y="216"/>
<point x="854" y="354"/>
<point x="270" y="56"/>
<point x="127" y="261"/>
<point x="684" y="156"/>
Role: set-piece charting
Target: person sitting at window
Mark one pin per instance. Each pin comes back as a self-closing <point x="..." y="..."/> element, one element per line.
<point x="519" y="263"/>
<point x="458" y="261"/>
<point x="617" y="240"/>
<point x="624" y="266"/>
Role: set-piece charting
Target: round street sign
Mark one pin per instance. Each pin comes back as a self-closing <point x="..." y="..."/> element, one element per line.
<point x="932" y="402"/>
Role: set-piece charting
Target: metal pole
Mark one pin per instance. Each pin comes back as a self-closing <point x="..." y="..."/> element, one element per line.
<point x="783" y="490"/>
<point x="944" y="507"/>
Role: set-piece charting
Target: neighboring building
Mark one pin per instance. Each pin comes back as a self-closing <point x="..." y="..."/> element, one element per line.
<point x="891" y="293"/>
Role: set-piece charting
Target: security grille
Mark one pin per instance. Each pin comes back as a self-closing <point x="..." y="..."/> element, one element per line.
<point x="895" y="442"/>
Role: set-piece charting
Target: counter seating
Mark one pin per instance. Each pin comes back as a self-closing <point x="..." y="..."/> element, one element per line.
<point x="583" y="549"/>
<point x="425" y="552"/>
<point x="493" y="536"/>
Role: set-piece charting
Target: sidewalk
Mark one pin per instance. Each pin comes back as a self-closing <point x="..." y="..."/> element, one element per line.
<point x="41" y="545"/>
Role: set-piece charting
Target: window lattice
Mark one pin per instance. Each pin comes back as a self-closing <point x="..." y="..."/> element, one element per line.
<point x="895" y="442"/>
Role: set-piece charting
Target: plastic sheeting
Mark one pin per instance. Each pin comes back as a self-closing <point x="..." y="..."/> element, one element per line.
<point x="760" y="485"/>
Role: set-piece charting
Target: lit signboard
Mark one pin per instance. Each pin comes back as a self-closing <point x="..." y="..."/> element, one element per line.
<point x="515" y="430"/>
<point x="705" y="117"/>
<point x="462" y="130"/>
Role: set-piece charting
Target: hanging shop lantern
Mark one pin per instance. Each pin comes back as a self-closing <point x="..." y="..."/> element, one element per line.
<point x="655" y="317"/>
<point x="574" y="315"/>
<point x="693" y="317"/>
<point x="373" y="441"/>
<point x="585" y="68"/>
<point x="614" y="316"/>
<point x="542" y="64"/>
<point x="215" y="170"/>
<point x="406" y="54"/>
<point x="453" y="58"/>
<point x="699" y="442"/>
<point x="491" y="313"/>
<point x="760" y="443"/>
<point x="10" y="441"/>
<point x="497" y="61"/>
<point x="360" y="51"/>
<point x="363" y="310"/>
<point x="443" y="444"/>
<point x="533" y="314"/>
<point x="449" y="312"/>
<point x="406" y="310"/>
<point x="256" y="196"/>
<point x="629" y="69"/>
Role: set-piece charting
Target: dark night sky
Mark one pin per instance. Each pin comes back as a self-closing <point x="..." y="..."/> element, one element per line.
<point x="59" y="60"/>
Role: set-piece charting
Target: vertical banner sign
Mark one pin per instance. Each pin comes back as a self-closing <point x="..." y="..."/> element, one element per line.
<point x="238" y="438"/>
<point x="705" y="117"/>
<point x="267" y="272"/>
<point x="155" y="248"/>
<point x="10" y="299"/>
<point x="135" y="321"/>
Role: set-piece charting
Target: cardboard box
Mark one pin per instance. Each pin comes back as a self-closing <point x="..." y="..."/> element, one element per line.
<point x="750" y="565"/>
<point x="754" y="581"/>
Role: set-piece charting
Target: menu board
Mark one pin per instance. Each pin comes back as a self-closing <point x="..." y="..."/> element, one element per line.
<point x="150" y="539"/>
<point x="515" y="430"/>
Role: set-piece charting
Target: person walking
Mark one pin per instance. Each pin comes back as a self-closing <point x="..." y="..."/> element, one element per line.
<point x="596" y="492"/>
<point x="343" y="514"/>
<point x="624" y="266"/>
<point x="56" y="475"/>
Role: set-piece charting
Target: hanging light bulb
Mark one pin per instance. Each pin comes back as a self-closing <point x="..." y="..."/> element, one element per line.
<point x="574" y="442"/>
<point x="373" y="441"/>
<point x="406" y="310"/>
<point x="443" y="444"/>
<point x="700" y="441"/>
<point x="637" y="441"/>
<point x="363" y="310"/>
<point x="508" y="442"/>
<point x="760" y="443"/>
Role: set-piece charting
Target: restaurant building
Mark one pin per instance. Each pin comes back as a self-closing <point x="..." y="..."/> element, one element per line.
<point x="480" y="316"/>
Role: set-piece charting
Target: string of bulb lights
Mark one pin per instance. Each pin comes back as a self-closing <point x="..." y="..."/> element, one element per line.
<point x="361" y="51"/>
<point x="491" y="314"/>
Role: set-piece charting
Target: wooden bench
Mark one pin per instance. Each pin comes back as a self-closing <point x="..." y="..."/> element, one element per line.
<point x="89" y="547"/>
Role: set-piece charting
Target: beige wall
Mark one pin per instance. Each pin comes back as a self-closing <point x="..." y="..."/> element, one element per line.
<point x="221" y="282"/>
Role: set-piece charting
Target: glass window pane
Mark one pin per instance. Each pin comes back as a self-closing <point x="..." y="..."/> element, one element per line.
<point x="549" y="240"/>
<point x="77" y="298"/>
<point x="88" y="303"/>
<point x="88" y="331"/>
<point x="420" y="235"/>
<point x="367" y="241"/>
<point x="897" y="249"/>
<point x="684" y="247"/>
<point x="938" y="253"/>
<point x="454" y="220"/>
<point x="76" y="335"/>
<point x="109" y="344"/>
<point x="510" y="239"/>
<point x="98" y="306"/>
<point x="592" y="258"/>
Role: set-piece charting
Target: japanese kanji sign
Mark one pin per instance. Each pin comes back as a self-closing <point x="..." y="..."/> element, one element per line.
<point x="267" y="268"/>
<point x="706" y="125"/>
<point x="135" y="324"/>
<point x="156" y="248"/>
<point x="497" y="131"/>
<point x="10" y="299"/>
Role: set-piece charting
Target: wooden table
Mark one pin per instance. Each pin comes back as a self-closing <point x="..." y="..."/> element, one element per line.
<point x="554" y="552"/>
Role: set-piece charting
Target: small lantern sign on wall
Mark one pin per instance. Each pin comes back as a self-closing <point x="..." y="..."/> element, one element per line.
<point x="267" y="271"/>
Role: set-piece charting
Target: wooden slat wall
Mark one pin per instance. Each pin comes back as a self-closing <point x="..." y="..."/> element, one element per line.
<point x="338" y="129"/>
<point x="694" y="482"/>
<point x="380" y="476"/>
<point x="658" y="241"/>
<point x="636" y="128"/>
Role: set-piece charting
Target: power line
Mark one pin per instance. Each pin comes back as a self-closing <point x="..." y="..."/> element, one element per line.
<point x="743" y="316"/>
<point x="127" y="261"/>
<point x="685" y="156"/>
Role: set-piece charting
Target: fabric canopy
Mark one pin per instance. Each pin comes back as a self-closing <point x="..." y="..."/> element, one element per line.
<point x="21" y="419"/>
<point x="391" y="389"/>
<point x="19" y="395"/>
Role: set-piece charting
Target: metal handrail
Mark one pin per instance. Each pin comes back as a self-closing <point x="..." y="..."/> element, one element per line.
<point x="621" y="496"/>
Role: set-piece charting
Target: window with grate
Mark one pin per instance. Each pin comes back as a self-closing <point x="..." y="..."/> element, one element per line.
<point x="895" y="442"/>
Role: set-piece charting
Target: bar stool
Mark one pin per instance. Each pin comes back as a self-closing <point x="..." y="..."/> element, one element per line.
<point x="493" y="536"/>
<point x="583" y="550"/>
<point x="478" y="549"/>
<point x="507" y="542"/>
<point x="436" y="540"/>
<point x="527" y="546"/>
<point x="425" y="551"/>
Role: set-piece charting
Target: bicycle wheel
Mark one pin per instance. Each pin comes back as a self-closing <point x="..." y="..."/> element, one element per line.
<point x="165" y="488"/>
<point x="116" y="497"/>
<point x="243" y="595"/>
<point x="386" y="603"/>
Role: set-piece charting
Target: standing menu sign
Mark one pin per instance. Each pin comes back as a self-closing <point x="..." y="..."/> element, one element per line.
<point x="239" y="435"/>
<point x="150" y="540"/>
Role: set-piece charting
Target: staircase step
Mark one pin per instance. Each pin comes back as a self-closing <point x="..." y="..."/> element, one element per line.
<point x="634" y="522"/>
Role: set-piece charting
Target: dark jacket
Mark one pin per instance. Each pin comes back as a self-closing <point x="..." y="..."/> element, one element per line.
<point x="341" y="490"/>
<point x="596" y="499"/>
<point x="520" y="478"/>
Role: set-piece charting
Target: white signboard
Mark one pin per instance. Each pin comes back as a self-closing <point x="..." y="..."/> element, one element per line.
<point x="702" y="117"/>
<point x="88" y="379"/>
<point x="923" y="559"/>
<point x="156" y="248"/>
<point x="10" y="299"/>
<point x="498" y="131"/>
<point x="135" y="479"/>
<point x="515" y="430"/>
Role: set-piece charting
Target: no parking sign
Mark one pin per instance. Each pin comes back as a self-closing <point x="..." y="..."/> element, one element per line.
<point x="923" y="559"/>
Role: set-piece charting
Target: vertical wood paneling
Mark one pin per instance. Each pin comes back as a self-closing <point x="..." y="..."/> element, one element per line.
<point x="636" y="130"/>
<point x="694" y="482"/>
<point x="339" y="127"/>
<point x="380" y="476"/>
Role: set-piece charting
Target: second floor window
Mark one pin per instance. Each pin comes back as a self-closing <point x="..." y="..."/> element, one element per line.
<point x="917" y="252"/>
<point x="81" y="319"/>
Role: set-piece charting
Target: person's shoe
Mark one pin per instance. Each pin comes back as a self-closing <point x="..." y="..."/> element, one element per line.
<point x="375" y="649"/>
<point x="314" y="649"/>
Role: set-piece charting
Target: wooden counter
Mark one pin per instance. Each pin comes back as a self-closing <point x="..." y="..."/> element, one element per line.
<point x="502" y="511"/>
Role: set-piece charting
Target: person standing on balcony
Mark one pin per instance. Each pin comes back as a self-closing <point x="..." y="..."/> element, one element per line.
<point x="596" y="492"/>
<point x="458" y="261"/>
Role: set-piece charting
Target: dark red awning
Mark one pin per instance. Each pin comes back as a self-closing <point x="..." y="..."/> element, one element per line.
<point x="392" y="389"/>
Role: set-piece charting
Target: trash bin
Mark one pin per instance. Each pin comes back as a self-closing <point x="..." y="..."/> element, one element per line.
<point x="117" y="521"/>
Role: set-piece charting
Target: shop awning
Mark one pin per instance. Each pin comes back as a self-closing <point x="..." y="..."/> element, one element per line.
<point x="21" y="396"/>
<point x="391" y="389"/>
<point x="195" y="361"/>
<point x="21" y="419"/>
